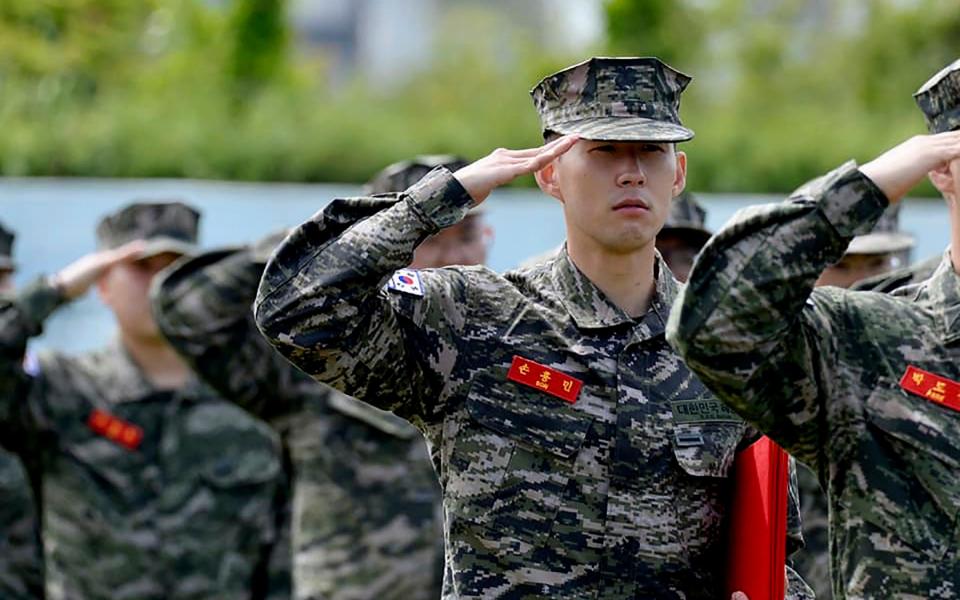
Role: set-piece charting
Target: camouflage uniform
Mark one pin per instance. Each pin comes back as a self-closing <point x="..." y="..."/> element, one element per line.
<point x="618" y="492"/>
<point x="147" y="493"/>
<point x="21" y="562"/>
<point x="366" y="502"/>
<point x="824" y="372"/>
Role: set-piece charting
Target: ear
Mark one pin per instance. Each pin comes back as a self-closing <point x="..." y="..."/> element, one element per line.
<point x="680" y="178"/>
<point x="942" y="179"/>
<point x="103" y="288"/>
<point x="548" y="181"/>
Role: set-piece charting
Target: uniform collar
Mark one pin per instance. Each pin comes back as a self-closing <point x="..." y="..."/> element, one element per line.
<point x="125" y="381"/>
<point x="591" y="309"/>
<point x="943" y="298"/>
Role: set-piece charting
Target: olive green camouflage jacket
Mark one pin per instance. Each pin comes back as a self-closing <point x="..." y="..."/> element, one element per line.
<point x="147" y="494"/>
<point x="578" y="456"/>
<point x="861" y="386"/>
<point x="21" y="562"/>
<point x="366" y="500"/>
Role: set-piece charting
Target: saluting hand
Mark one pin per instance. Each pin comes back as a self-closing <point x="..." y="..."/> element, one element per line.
<point x="897" y="170"/>
<point x="77" y="277"/>
<point x="503" y="166"/>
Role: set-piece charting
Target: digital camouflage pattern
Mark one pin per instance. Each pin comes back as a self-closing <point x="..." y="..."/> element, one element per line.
<point x="819" y="371"/>
<point x="21" y="563"/>
<point x="898" y="278"/>
<point x="619" y="494"/>
<point x="619" y="99"/>
<point x="167" y="227"/>
<point x="185" y="510"/>
<point x="939" y="99"/>
<point x="367" y="521"/>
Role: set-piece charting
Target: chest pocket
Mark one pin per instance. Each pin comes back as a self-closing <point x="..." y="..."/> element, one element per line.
<point x="514" y="456"/>
<point x="912" y="444"/>
<point x="705" y="435"/>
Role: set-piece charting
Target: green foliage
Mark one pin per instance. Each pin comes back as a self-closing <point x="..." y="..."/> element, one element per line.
<point x="783" y="89"/>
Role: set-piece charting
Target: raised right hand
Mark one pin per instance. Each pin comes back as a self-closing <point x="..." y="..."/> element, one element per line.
<point x="503" y="166"/>
<point x="77" y="277"/>
<point x="897" y="170"/>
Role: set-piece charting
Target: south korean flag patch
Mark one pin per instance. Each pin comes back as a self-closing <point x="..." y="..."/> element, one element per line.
<point x="406" y="281"/>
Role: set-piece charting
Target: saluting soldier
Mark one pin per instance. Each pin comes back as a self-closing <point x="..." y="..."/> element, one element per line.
<point x="863" y="387"/>
<point x="367" y="504"/>
<point x="21" y="561"/>
<point x="578" y="456"/>
<point x="153" y="487"/>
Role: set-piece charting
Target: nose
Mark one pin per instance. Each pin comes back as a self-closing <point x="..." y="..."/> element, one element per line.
<point x="631" y="172"/>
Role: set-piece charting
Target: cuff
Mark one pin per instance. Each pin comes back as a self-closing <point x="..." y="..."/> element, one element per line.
<point x="439" y="199"/>
<point x="850" y="200"/>
<point x="38" y="300"/>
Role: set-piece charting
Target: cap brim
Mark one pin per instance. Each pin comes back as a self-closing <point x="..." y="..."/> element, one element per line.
<point x="158" y="246"/>
<point x="880" y="243"/>
<point x="624" y="129"/>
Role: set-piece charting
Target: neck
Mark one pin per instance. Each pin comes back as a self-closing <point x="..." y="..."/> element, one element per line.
<point x="626" y="279"/>
<point x="158" y="361"/>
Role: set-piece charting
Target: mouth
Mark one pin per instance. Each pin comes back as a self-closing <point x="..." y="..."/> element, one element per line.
<point x="631" y="205"/>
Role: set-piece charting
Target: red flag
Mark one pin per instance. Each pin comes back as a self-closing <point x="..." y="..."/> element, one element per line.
<point x="758" y="522"/>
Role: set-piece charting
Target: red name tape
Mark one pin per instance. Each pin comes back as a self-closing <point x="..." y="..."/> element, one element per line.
<point x="545" y="379"/>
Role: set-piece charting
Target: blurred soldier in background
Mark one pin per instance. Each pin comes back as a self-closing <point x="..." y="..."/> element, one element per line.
<point x="21" y="561"/>
<point x="872" y="254"/>
<point x="152" y="486"/>
<point x="367" y="509"/>
<point x="683" y="235"/>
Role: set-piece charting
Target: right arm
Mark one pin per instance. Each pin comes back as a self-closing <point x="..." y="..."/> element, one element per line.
<point x="203" y="305"/>
<point x="322" y="304"/>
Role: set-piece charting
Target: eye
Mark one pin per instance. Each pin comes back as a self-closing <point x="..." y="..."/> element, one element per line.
<point x="654" y="148"/>
<point x="605" y="148"/>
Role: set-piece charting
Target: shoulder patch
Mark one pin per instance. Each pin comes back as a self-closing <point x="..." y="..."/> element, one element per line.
<point x="406" y="281"/>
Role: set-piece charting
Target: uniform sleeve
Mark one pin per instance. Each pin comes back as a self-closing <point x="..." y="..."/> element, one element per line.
<point x="204" y="307"/>
<point x="21" y="317"/>
<point x="323" y="305"/>
<point x="749" y="322"/>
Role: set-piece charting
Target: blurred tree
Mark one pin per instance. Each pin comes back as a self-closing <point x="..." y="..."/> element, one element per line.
<point x="259" y="36"/>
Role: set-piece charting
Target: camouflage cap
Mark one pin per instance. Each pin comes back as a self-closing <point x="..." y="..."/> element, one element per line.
<point x="6" y="249"/>
<point x="939" y="99"/>
<point x="165" y="226"/>
<point x="401" y="175"/>
<point x="687" y="218"/>
<point x="615" y="99"/>
<point x="886" y="237"/>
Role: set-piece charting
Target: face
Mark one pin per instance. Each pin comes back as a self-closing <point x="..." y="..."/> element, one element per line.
<point x="125" y="289"/>
<point x="856" y="267"/>
<point x="462" y="244"/>
<point x="679" y="254"/>
<point x="6" y="280"/>
<point x="615" y="195"/>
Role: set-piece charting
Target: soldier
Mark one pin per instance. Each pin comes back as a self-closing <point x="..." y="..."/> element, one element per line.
<point x="21" y="563"/>
<point x="153" y="487"/>
<point x="367" y="501"/>
<point x="861" y="387"/>
<point x="683" y="235"/>
<point x="577" y="455"/>
<point x="872" y="254"/>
